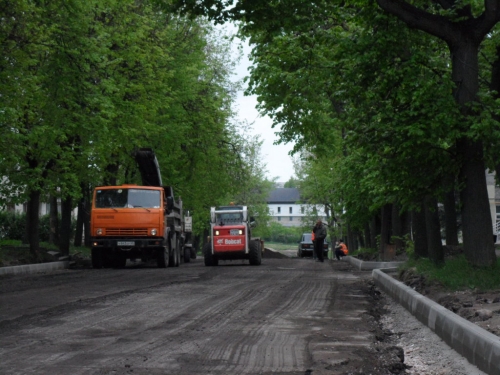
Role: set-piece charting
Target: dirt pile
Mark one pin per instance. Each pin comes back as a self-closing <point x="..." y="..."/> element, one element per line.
<point x="273" y="254"/>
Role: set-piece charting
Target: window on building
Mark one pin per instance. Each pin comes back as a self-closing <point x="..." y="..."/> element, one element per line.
<point x="279" y="218"/>
<point x="279" y="210"/>
<point x="290" y="210"/>
<point x="302" y="209"/>
<point x="291" y="218"/>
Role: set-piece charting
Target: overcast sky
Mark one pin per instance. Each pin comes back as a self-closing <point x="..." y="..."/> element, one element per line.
<point x="278" y="162"/>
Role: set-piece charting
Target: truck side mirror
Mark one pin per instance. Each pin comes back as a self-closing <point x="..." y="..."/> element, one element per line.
<point x="170" y="203"/>
<point x="252" y="222"/>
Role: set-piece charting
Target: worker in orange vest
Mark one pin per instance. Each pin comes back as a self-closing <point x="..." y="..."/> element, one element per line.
<point x="341" y="250"/>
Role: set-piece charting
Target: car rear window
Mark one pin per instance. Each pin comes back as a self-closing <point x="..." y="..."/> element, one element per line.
<point x="306" y="237"/>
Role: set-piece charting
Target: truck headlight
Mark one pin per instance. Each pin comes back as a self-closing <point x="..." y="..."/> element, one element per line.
<point x="99" y="231"/>
<point x="216" y="232"/>
<point x="153" y="232"/>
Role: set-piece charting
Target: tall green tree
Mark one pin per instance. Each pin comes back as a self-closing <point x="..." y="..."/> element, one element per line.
<point x="462" y="25"/>
<point x="88" y="82"/>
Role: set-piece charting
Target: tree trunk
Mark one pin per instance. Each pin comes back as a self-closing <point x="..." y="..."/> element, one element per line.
<point x="361" y="239"/>
<point x="406" y="222"/>
<point x="86" y="219"/>
<point x="66" y="207"/>
<point x="351" y="245"/>
<point x="495" y="86"/>
<point x="397" y="227"/>
<point x="83" y="218"/>
<point x="54" y="221"/>
<point x="385" y="229"/>
<point x="476" y="217"/>
<point x="434" y="244"/>
<point x="33" y="223"/>
<point x="374" y="230"/>
<point x="80" y="218"/>
<point x="477" y="226"/>
<point x="463" y="38"/>
<point x="419" y="233"/>
<point x="450" y="218"/>
<point x="354" y="240"/>
<point x="368" y="242"/>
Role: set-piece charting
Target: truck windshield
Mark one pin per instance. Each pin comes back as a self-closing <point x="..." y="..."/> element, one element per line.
<point x="116" y="198"/>
<point x="230" y="218"/>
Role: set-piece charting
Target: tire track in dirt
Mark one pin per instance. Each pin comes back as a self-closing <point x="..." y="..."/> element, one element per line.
<point x="228" y="319"/>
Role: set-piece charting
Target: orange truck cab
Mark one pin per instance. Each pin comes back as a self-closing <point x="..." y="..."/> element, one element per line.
<point x="137" y="222"/>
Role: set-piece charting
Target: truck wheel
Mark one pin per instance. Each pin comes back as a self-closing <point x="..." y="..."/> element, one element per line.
<point x="187" y="255"/>
<point x="96" y="256"/>
<point x="193" y="253"/>
<point x="254" y="253"/>
<point x="162" y="257"/>
<point x="210" y="260"/>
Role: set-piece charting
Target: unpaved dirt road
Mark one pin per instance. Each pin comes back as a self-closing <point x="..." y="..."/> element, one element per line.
<point x="287" y="316"/>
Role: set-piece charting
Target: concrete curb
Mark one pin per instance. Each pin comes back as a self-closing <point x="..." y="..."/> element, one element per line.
<point x="364" y="266"/>
<point x="32" y="268"/>
<point x="479" y="346"/>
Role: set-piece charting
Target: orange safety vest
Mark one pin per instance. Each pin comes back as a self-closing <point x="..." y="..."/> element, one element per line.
<point x="343" y="247"/>
<point x="313" y="236"/>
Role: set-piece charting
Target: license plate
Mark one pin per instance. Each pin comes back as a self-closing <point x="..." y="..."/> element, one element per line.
<point x="234" y="232"/>
<point x="125" y="243"/>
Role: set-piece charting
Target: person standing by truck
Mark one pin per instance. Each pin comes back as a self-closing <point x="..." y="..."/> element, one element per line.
<point x="319" y="231"/>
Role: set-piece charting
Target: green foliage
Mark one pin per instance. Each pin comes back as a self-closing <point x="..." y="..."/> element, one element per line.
<point x="12" y="226"/>
<point x="355" y="68"/>
<point x="94" y="80"/>
<point x="10" y="242"/>
<point x="44" y="228"/>
<point x="365" y="253"/>
<point x="459" y="274"/>
<point x="409" y="247"/>
<point x="292" y="183"/>
<point x="281" y="234"/>
<point x="278" y="246"/>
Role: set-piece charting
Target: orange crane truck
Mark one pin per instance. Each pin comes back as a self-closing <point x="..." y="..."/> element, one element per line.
<point x="137" y="221"/>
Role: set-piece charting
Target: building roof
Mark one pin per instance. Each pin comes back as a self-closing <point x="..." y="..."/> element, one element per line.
<point x="284" y="195"/>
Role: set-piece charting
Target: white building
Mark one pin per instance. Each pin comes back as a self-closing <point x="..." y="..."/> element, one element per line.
<point x="285" y="207"/>
<point x="44" y="208"/>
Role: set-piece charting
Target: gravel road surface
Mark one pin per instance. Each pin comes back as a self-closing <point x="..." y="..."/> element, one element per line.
<point x="288" y="316"/>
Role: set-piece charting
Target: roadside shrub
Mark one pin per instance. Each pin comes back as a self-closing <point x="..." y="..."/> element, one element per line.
<point x="282" y="234"/>
<point x="457" y="273"/>
<point x="366" y="253"/>
<point x="12" y="225"/>
<point x="44" y="229"/>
